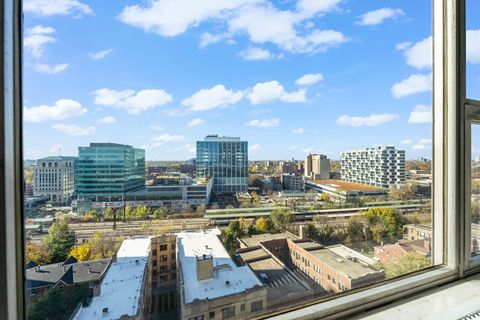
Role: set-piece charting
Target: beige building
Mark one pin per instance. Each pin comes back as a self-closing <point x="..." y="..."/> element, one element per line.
<point x="317" y="166"/>
<point x="211" y="284"/>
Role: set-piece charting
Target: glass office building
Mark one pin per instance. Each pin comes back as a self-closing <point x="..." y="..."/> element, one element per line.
<point x="106" y="171"/>
<point x="226" y="160"/>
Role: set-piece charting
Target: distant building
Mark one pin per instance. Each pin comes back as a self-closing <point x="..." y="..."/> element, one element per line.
<point x="66" y="275"/>
<point x="124" y="291"/>
<point x="344" y="191"/>
<point x="382" y="167"/>
<point x="292" y="181"/>
<point x="394" y="252"/>
<point x="212" y="285"/>
<point x="53" y="177"/>
<point x="417" y="231"/>
<point x="317" y="166"/>
<point x="226" y="160"/>
<point x="288" y="167"/>
<point x="107" y="171"/>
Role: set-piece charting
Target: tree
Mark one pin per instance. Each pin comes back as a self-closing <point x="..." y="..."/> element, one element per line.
<point x="49" y="306"/>
<point x="103" y="245"/>
<point x="255" y="197"/>
<point x="325" y="197"/>
<point x="281" y="219"/>
<point x="235" y="229"/>
<point x="37" y="253"/>
<point x="141" y="212"/>
<point x="59" y="241"/>
<point x="128" y="211"/>
<point x="108" y="214"/>
<point x="383" y="223"/>
<point x="264" y="225"/>
<point x="410" y="262"/>
<point x="201" y="209"/>
<point x="95" y="214"/>
<point x="159" y="213"/>
<point x="311" y="231"/>
<point x="355" y="230"/>
<point x="81" y="252"/>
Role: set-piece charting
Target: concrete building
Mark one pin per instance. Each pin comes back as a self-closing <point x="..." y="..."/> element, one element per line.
<point x="162" y="274"/>
<point x="381" y="167"/>
<point x="394" y="252"/>
<point x="125" y="291"/>
<point x="344" y="191"/>
<point x="211" y="284"/>
<point x="293" y="182"/>
<point x="317" y="166"/>
<point x="335" y="268"/>
<point x="53" y="177"/>
<point x="107" y="171"/>
<point x="225" y="159"/>
<point x="417" y="231"/>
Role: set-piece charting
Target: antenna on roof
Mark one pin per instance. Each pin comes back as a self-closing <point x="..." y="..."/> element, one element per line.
<point x="59" y="150"/>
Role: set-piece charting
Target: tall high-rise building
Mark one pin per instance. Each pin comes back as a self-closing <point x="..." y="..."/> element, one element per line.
<point x="226" y="160"/>
<point x="53" y="177"/>
<point x="317" y="166"/>
<point x="106" y="171"/>
<point x="379" y="166"/>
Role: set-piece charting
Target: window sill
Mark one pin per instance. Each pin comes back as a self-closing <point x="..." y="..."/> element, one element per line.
<point x="339" y="308"/>
<point x="452" y="301"/>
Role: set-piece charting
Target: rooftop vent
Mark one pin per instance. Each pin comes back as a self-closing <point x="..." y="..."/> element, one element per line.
<point x="227" y="283"/>
<point x="105" y="311"/>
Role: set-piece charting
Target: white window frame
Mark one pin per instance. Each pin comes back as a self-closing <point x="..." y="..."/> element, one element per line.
<point x="449" y="170"/>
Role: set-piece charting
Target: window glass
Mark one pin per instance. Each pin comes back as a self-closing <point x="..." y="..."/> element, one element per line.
<point x="278" y="152"/>
<point x="473" y="49"/>
<point x="475" y="190"/>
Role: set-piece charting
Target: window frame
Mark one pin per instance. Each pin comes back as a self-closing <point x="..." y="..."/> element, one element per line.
<point x="450" y="227"/>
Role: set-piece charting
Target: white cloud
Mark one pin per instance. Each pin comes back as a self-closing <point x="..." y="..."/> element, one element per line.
<point x="196" y="122"/>
<point x="253" y="149"/>
<point x="259" y="20"/>
<point x="61" y="110"/>
<point x="418" y="55"/>
<point x="379" y="16"/>
<point x="100" y="54"/>
<point x="267" y="123"/>
<point x="73" y="130"/>
<point x="171" y="18"/>
<point x="215" y="97"/>
<point x="255" y="54"/>
<point x="473" y="46"/>
<point x="156" y="128"/>
<point x="133" y="102"/>
<point x="168" y="138"/>
<point x="186" y="147"/>
<point x="36" y="39"/>
<point x="267" y="92"/>
<point x="49" y="69"/>
<point x="421" y="114"/>
<point x="106" y="120"/>
<point x="55" y="7"/>
<point x="422" y="144"/>
<point x="406" y="141"/>
<point x="309" y="79"/>
<point x="298" y="130"/>
<point x="370" y="121"/>
<point x="416" y="83"/>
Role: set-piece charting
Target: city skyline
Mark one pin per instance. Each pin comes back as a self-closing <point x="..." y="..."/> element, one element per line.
<point x="342" y="75"/>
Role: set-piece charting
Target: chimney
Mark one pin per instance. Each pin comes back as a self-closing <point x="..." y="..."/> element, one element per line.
<point x="301" y="232"/>
<point x="64" y="268"/>
<point x="204" y="267"/>
<point x="89" y="269"/>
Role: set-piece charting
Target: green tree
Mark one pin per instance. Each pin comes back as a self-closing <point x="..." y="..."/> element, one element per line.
<point x="128" y="212"/>
<point x="410" y="262"/>
<point x="311" y="231"/>
<point x="355" y="230"/>
<point x="49" y="306"/>
<point x="235" y="229"/>
<point x="159" y="213"/>
<point x="383" y="223"/>
<point x="95" y="214"/>
<point x="103" y="245"/>
<point x="59" y="241"/>
<point x="281" y="218"/>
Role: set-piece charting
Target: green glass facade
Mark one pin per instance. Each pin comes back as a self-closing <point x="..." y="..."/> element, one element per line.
<point x="226" y="160"/>
<point x="106" y="171"/>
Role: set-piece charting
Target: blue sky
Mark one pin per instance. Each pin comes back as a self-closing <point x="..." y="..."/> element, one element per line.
<point x="291" y="76"/>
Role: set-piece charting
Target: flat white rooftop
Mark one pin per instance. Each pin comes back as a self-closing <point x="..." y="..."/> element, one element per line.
<point x="121" y="289"/>
<point x="198" y="243"/>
